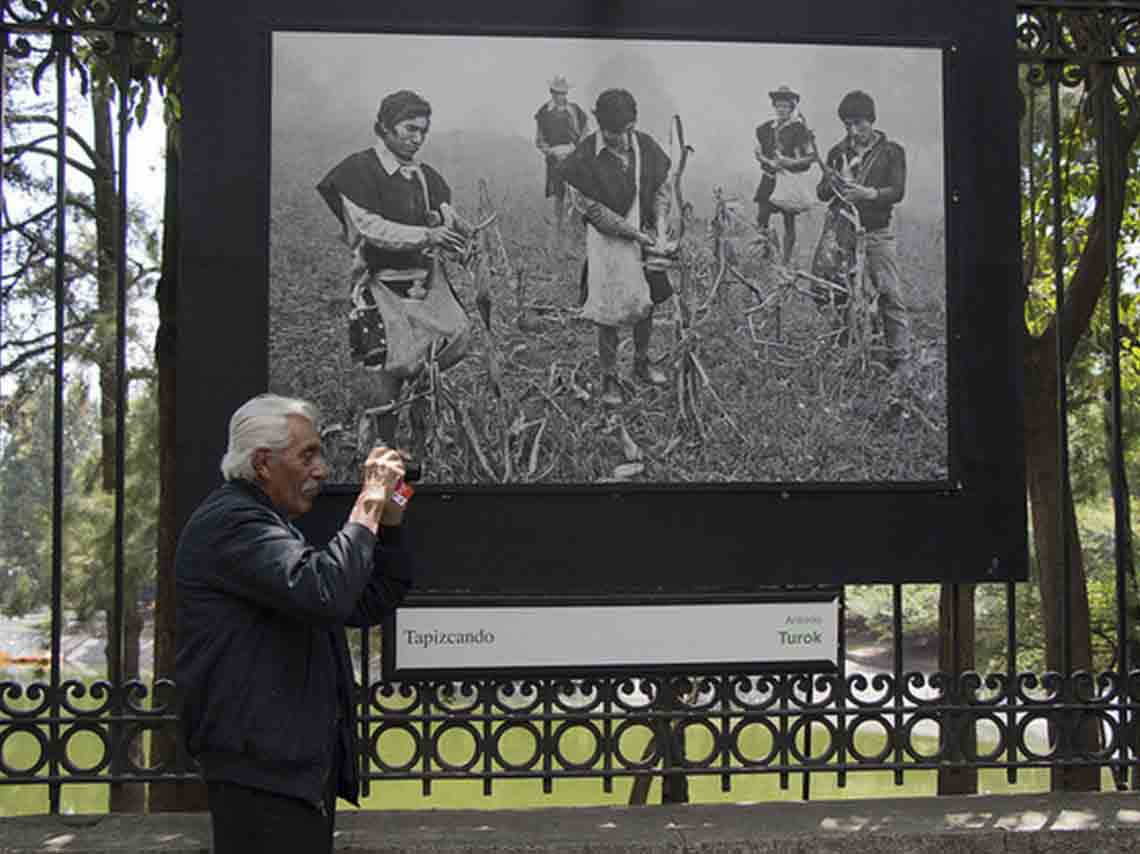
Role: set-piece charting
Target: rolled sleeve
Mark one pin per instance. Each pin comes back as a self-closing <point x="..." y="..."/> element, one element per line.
<point x="382" y="233"/>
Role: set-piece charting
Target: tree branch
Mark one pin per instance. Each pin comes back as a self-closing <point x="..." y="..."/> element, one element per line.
<point x="32" y="342"/>
<point x="34" y="218"/>
<point x="18" y="150"/>
<point x="1087" y="282"/>
<point x="72" y="134"/>
<point x="40" y="243"/>
<point x="25" y="357"/>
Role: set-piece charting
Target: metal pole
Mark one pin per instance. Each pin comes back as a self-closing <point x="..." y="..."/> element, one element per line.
<point x="1065" y="588"/>
<point x="841" y="687"/>
<point x="1108" y="157"/>
<point x="1011" y="679"/>
<point x="897" y="666"/>
<point x="123" y="50"/>
<point x="60" y="47"/>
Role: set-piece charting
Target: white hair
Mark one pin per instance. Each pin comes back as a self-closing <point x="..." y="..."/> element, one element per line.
<point x="261" y="422"/>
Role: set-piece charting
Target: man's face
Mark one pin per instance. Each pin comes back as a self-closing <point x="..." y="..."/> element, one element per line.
<point x="618" y="140"/>
<point x="292" y="476"/>
<point x="783" y="109"/>
<point x="559" y="98"/>
<point x="859" y="131"/>
<point x="406" y="137"/>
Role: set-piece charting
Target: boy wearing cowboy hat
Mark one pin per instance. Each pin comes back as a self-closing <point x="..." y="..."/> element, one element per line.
<point x="559" y="126"/>
<point x="783" y="144"/>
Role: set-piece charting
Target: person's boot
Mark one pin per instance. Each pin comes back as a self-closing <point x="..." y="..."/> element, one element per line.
<point x="646" y="373"/>
<point x="611" y="391"/>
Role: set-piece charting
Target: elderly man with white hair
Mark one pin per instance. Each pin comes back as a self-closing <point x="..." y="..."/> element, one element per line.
<point x="263" y="669"/>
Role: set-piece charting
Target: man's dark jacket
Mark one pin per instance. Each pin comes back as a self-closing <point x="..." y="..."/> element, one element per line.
<point x="883" y="167"/>
<point x="263" y="669"/>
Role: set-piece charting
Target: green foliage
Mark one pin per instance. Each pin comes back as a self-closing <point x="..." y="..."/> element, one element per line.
<point x="28" y="334"/>
<point x="144" y="67"/>
<point x="26" y="490"/>
<point x="88" y="512"/>
<point x="1067" y="201"/>
<point x="1076" y="184"/>
<point x="28" y="286"/>
<point x="870" y="608"/>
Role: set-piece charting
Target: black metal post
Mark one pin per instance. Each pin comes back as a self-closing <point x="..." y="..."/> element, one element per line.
<point x="1064" y="662"/>
<point x="60" y="48"/>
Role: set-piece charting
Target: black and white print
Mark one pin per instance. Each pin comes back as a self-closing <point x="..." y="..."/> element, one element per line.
<point x="775" y="365"/>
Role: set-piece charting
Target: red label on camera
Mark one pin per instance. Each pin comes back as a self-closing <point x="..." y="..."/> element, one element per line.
<point x="403" y="493"/>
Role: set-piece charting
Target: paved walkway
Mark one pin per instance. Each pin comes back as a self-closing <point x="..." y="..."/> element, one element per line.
<point x="1018" y="824"/>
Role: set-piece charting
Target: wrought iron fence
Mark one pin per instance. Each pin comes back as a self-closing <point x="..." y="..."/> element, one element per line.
<point x="627" y="726"/>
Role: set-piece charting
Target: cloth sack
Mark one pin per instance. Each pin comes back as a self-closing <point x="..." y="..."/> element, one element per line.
<point x="794" y="192"/>
<point x="412" y="327"/>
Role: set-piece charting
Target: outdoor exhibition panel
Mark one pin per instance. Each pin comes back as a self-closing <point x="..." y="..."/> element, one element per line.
<point x="785" y="456"/>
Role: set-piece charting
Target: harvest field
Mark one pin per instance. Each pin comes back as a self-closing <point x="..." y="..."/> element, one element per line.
<point x="756" y="395"/>
<point x="523" y="406"/>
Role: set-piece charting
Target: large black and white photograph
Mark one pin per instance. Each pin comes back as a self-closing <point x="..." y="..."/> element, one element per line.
<point x="594" y="261"/>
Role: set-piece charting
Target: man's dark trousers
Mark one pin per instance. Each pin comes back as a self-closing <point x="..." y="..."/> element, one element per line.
<point x="254" y="821"/>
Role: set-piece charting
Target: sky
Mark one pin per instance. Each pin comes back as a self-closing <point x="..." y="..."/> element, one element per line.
<point x="720" y="89"/>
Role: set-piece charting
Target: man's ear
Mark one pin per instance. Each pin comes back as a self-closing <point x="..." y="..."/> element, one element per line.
<point x="260" y="461"/>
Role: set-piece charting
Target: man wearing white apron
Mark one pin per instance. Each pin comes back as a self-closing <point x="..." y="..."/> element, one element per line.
<point x="620" y="175"/>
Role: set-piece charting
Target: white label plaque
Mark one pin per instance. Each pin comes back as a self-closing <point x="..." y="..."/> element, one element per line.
<point x="569" y="636"/>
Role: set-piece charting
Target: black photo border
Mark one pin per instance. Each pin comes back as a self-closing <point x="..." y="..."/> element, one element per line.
<point x="663" y="539"/>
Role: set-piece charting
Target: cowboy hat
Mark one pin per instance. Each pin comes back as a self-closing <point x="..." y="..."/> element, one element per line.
<point x="784" y="93"/>
<point x="559" y="84"/>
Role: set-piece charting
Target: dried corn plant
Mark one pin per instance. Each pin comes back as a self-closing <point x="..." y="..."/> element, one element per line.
<point x="761" y="388"/>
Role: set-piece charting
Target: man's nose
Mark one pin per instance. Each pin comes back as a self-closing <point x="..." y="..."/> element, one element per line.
<point x="322" y="470"/>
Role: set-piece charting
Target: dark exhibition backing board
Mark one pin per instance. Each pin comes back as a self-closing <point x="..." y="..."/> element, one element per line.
<point x="666" y="537"/>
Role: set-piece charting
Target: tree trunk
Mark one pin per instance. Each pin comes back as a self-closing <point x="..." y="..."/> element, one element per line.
<point x="106" y="232"/>
<point x="124" y="797"/>
<point x="667" y="743"/>
<point x="1051" y="506"/>
<point x="168" y="797"/>
<point x="128" y="797"/>
<point x="955" y="657"/>
<point x="1128" y="647"/>
<point x="1050" y="492"/>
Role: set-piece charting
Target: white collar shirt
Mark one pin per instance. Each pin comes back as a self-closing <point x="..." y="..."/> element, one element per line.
<point x="392" y="164"/>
